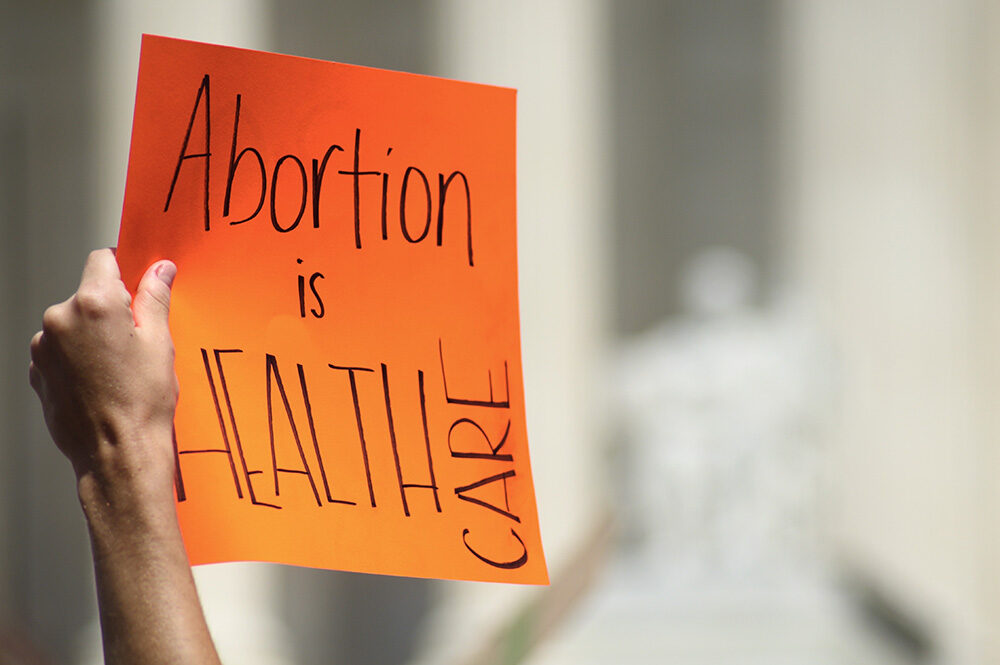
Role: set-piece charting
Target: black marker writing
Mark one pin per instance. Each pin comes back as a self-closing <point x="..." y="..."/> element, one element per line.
<point x="415" y="203"/>
<point x="314" y="290"/>
<point x="206" y="155"/>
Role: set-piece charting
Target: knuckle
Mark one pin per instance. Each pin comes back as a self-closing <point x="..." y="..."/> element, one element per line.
<point x="54" y="319"/>
<point x="92" y="302"/>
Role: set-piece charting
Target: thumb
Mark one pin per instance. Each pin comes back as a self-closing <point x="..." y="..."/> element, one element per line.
<point x="151" y="304"/>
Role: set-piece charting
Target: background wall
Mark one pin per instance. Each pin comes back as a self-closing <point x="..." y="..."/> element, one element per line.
<point x="45" y="196"/>
<point x="889" y="147"/>
<point x="694" y="153"/>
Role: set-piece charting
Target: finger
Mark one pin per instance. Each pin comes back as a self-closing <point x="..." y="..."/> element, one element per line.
<point x="36" y="347"/>
<point x="125" y="295"/>
<point x="35" y="379"/>
<point x="101" y="267"/>
<point x="151" y="305"/>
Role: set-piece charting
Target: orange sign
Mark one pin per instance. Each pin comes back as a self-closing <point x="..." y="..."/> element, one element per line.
<point x="345" y="311"/>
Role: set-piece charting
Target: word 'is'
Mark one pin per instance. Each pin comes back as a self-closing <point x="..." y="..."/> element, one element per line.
<point x="414" y="188"/>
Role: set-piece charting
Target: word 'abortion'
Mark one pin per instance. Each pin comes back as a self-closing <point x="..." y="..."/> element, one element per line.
<point x="262" y="471"/>
<point x="412" y="194"/>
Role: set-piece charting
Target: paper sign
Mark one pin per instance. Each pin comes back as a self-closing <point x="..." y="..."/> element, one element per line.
<point x="345" y="313"/>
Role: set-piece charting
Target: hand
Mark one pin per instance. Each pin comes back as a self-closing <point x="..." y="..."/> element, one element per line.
<point x="102" y="366"/>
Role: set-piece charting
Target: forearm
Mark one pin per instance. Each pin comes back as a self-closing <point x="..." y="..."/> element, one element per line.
<point x="149" y="607"/>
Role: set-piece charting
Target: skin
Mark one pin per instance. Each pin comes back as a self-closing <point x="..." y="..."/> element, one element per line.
<point x="102" y="366"/>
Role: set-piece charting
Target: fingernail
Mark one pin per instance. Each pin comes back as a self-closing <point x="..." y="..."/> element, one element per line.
<point x="166" y="271"/>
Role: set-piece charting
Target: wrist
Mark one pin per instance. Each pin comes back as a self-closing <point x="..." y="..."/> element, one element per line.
<point x="128" y="483"/>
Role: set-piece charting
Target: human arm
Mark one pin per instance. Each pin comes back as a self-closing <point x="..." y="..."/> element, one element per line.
<point x="102" y="366"/>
